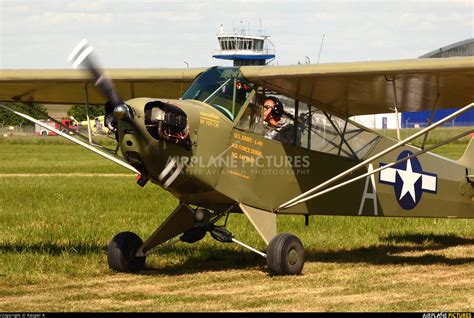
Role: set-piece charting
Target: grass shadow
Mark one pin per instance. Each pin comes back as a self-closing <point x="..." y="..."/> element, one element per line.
<point x="396" y="244"/>
<point x="207" y="259"/>
<point x="440" y="240"/>
<point x="184" y="258"/>
<point x="53" y="249"/>
<point x="188" y="259"/>
<point x="387" y="253"/>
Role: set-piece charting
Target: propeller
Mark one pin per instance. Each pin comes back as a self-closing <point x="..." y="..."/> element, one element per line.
<point x="82" y="56"/>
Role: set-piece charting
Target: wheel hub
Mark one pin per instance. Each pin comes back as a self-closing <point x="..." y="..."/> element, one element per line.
<point x="292" y="257"/>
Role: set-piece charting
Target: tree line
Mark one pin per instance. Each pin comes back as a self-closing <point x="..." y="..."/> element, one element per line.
<point x="34" y="110"/>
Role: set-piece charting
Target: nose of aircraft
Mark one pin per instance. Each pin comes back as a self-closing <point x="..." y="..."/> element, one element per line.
<point x="150" y="132"/>
<point x="121" y="112"/>
<point x="154" y="135"/>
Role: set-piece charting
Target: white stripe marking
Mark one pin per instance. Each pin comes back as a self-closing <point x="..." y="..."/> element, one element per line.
<point x="428" y="182"/>
<point x="173" y="176"/>
<point x="83" y="56"/>
<point x="76" y="50"/>
<point x="167" y="168"/>
<point x="388" y="175"/>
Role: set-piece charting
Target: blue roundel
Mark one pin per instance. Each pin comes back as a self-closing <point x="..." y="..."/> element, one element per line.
<point x="405" y="199"/>
<point x="409" y="181"/>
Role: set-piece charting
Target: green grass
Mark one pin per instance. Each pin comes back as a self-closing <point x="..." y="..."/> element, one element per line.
<point x="435" y="136"/>
<point x="453" y="150"/>
<point x="53" y="158"/>
<point x="51" y="140"/>
<point x="55" y="230"/>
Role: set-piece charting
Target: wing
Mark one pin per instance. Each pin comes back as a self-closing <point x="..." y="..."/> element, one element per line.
<point x="68" y="86"/>
<point x="348" y="89"/>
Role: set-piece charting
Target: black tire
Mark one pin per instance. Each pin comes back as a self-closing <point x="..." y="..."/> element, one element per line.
<point x="121" y="253"/>
<point x="285" y="255"/>
<point x="44" y="133"/>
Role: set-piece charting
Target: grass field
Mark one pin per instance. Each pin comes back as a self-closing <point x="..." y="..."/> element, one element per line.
<point x="56" y="226"/>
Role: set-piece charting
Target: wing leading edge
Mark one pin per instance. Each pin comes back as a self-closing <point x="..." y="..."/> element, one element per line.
<point x="345" y="89"/>
<point x="360" y="88"/>
<point x="68" y="86"/>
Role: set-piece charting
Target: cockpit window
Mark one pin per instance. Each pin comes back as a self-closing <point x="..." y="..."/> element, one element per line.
<point x="223" y="88"/>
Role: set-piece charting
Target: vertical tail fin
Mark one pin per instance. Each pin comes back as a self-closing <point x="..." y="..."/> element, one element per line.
<point x="467" y="158"/>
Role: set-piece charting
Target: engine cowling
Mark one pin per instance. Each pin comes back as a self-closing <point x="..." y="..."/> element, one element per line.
<point x="167" y="122"/>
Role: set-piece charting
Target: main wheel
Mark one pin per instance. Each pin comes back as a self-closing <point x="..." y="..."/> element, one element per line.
<point x="285" y="255"/>
<point x="121" y="253"/>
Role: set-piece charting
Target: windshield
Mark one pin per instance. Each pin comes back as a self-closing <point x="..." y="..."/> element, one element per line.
<point x="224" y="88"/>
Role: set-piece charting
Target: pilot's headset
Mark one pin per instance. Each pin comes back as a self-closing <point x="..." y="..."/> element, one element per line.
<point x="277" y="110"/>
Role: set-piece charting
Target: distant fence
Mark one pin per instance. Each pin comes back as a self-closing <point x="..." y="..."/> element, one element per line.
<point x="449" y="130"/>
<point x="27" y="130"/>
<point x="420" y="119"/>
<point x="453" y="123"/>
<point x="24" y="130"/>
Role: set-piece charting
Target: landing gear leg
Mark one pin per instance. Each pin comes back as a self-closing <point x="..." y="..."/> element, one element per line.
<point x="223" y="235"/>
<point x="127" y="252"/>
<point x="285" y="253"/>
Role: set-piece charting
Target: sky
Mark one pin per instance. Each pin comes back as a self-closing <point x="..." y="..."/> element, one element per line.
<point x="160" y="33"/>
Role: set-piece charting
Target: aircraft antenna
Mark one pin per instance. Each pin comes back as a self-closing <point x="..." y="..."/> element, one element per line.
<point x="320" y="48"/>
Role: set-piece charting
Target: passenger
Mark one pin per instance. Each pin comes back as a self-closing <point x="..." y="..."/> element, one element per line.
<point x="276" y="128"/>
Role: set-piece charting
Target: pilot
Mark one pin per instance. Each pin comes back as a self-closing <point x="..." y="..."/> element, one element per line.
<point x="276" y="128"/>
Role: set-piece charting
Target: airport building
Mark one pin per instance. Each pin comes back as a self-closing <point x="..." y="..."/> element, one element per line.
<point x="243" y="48"/>
<point x="462" y="48"/>
<point x="421" y="119"/>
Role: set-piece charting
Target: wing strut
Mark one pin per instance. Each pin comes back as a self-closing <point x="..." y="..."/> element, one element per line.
<point x="306" y="196"/>
<point x="37" y="111"/>
<point x="395" y="107"/>
<point x="117" y="160"/>
<point x="89" y="130"/>
<point x="431" y="118"/>
<point x="75" y="133"/>
<point x="371" y="172"/>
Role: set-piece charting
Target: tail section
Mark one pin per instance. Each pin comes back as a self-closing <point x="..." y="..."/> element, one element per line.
<point x="467" y="158"/>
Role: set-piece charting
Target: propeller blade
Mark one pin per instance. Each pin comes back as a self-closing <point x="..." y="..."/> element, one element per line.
<point x="82" y="56"/>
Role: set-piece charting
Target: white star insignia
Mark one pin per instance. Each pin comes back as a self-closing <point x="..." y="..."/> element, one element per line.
<point x="409" y="179"/>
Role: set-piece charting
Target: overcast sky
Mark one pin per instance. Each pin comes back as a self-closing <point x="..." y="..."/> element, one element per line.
<point x="161" y="33"/>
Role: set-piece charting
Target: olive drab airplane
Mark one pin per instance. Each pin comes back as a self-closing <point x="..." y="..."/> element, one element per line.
<point x="204" y="136"/>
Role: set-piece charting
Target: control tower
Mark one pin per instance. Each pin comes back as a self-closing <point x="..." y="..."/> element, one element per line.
<point x="244" y="49"/>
